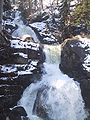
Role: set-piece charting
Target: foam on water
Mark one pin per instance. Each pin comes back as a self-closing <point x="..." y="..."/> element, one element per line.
<point x="65" y="101"/>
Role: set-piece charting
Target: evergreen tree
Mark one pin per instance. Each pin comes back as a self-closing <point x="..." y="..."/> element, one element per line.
<point x="81" y="15"/>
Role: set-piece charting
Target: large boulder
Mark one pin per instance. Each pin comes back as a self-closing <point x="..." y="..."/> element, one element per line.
<point x="75" y="61"/>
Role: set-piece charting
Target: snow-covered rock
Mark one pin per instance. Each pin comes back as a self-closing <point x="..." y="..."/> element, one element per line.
<point x="75" y="61"/>
<point x="19" y="61"/>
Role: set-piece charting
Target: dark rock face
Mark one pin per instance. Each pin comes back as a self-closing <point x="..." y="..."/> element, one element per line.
<point x="75" y="62"/>
<point x="7" y="5"/>
<point x="16" y="113"/>
<point x="40" y="106"/>
<point x="18" y="62"/>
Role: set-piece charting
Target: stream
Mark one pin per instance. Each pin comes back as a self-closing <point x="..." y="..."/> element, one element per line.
<point x="66" y="102"/>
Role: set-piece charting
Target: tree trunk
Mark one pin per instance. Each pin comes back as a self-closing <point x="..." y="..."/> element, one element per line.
<point x="30" y="6"/>
<point x="13" y="2"/>
<point x="41" y="4"/>
<point x="1" y="13"/>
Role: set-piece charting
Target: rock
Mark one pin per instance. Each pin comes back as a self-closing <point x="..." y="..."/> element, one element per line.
<point x="2" y="116"/>
<point x="10" y="27"/>
<point x="75" y="62"/>
<point x="7" y="5"/>
<point x="28" y="50"/>
<point x="3" y="40"/>
<point x="17" y="113"/>
<point x="40" y="107"/>
<point x="4" y="113"/>
<point x="38" y="17"/>
<point x="19" y="60"/>
<point x="73" y="55"/>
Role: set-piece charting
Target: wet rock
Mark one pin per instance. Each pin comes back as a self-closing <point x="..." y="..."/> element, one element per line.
<point x="17" y="112"/>
<point x="75" y="62"/>
<point x="40" y="106"/>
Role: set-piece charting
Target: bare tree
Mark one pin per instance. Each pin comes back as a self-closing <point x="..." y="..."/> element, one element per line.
<point x="1" y="12"/>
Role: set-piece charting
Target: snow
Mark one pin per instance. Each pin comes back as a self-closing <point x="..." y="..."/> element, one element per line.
<point x="8" y="22"/>
<point x="85" y="43"/>
<point x="47" y="2"/>
<point x="73" y="2"/>
<point x="48" y="39"/>
<point x="26" y="72"/>
<point x="34" y="63"/>
<point x="8" y="69"/>
<point x="24" y="69"/>
<point x="29" y="70"/>
<point x="21" y="54"/>
<point x="28" y="37"/>
<point x="39" y="25"/>
<point x="87" y="63"/>
<point x="20" y="44"/>
<point x="56" y="12"/>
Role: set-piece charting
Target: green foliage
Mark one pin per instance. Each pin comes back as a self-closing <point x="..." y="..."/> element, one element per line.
<point x="82" y="13"/>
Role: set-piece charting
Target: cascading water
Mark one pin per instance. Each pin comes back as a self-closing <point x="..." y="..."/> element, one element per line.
<point x="65" y="101"/>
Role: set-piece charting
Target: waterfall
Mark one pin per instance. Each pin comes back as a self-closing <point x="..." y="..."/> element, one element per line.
<point x="52" y="53"/>
<point x="65" y="101"/>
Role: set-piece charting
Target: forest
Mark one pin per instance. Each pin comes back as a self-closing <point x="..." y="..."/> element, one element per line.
<point x="44" y="59"/>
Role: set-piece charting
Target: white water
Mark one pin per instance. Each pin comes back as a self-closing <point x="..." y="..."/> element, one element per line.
<point x="65" y="101"/>
<point x="23" y="31"/>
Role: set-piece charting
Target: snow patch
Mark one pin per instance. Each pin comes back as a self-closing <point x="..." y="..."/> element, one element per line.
<point x="85" y="42"/>
<point x="21" y="54"/>
<point x="8" y="69"/>
<point x="39" y="25"/>
<point x="20" y="44"/>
